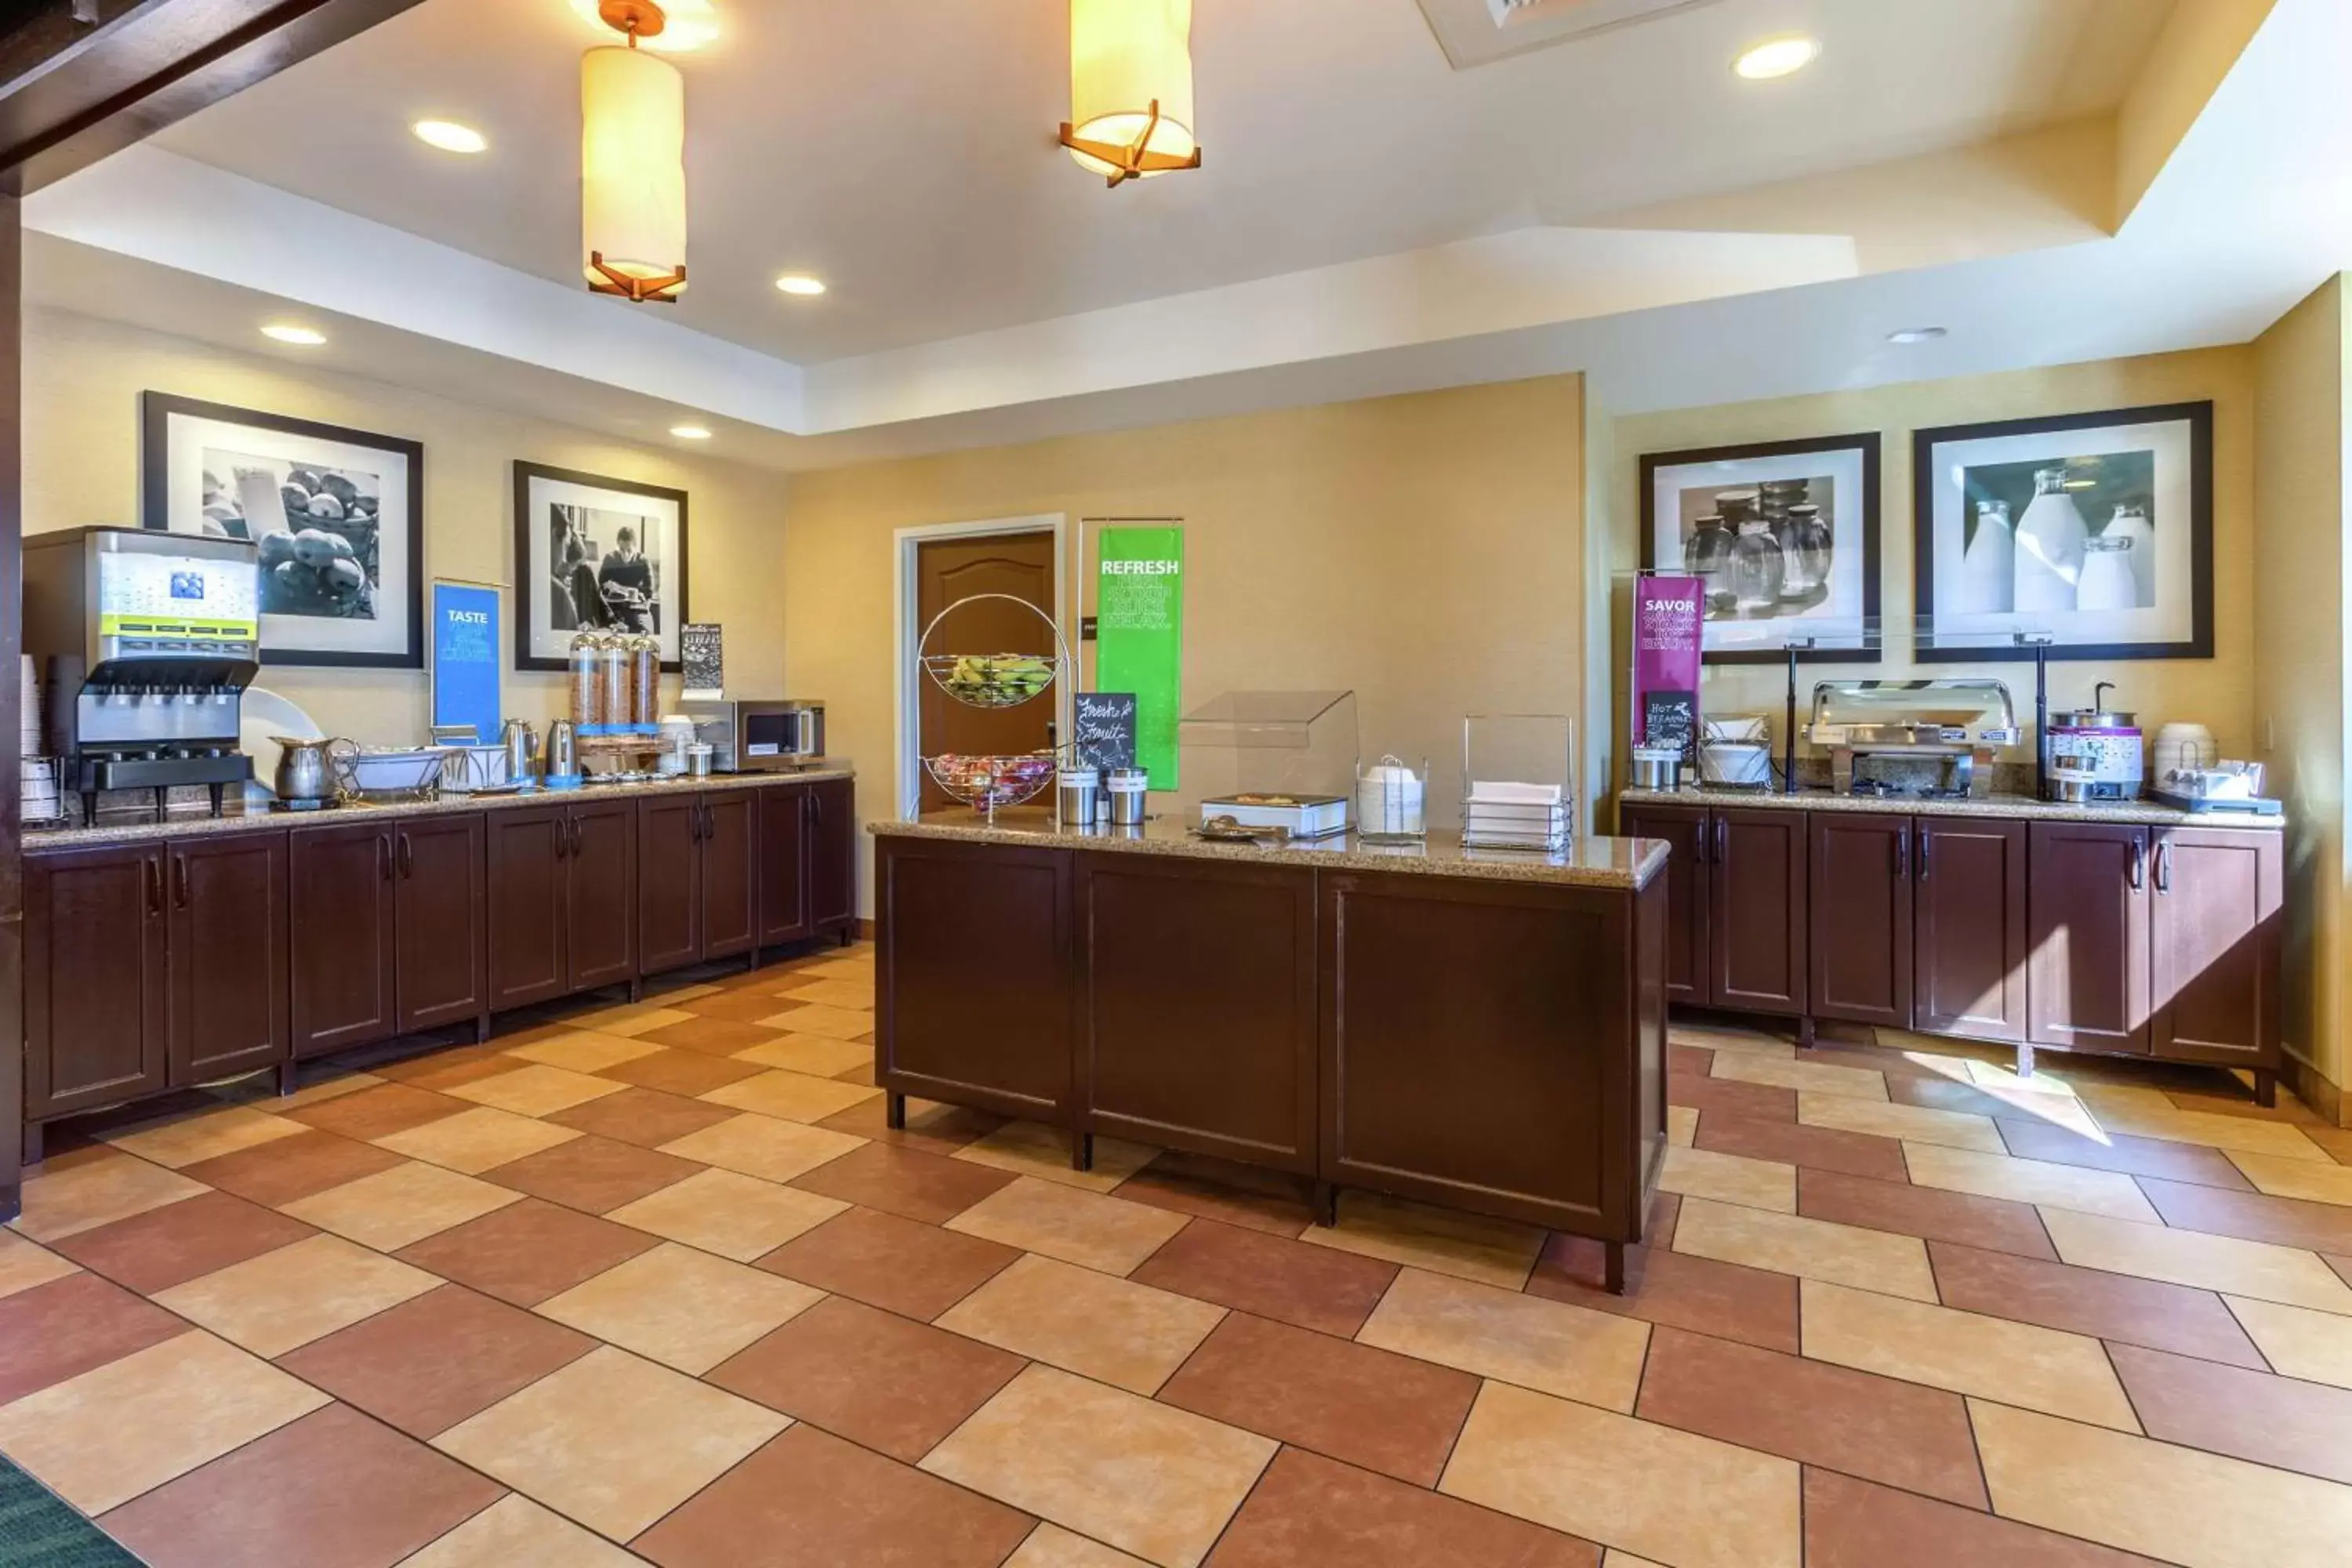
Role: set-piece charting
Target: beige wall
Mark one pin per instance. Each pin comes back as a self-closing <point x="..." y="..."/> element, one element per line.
<point x="1427" y="551"/>
<point x="82" y="379"/>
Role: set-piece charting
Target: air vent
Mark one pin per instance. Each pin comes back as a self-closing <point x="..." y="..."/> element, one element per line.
<point x="1479" y="32"/>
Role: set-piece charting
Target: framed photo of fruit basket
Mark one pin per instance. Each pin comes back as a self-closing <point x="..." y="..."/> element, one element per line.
<point x="338" y="516"/>
<point x="595" y="553"/>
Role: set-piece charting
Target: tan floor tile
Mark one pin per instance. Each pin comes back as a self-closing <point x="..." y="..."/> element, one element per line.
<point x="174" y="1142"/>
<point x="857" y="968"/>
<point x="1809" y="1248"/>
<point x="2174" y="1503"/>
<point x="1731" y="1178"/>
<point x="1613" y="1558"/>
<point x="1748" y="1066"/>
<point x="2077" y="1187"/>
<point x="583" y="1051"/>
<point x="1107" y="1233"/>
<point x="2016" y="1364"/>
<point x="728" y="1213"/>
<point x="1756" y="1042"/>
<point x="334" y="1088"/>
<point x="1447" y="1241"/>
<point x="811" y="1054"/>
<point x="516" y="1532"/>
<point x="536" y="1089"/>
<point x="1667" y="1494"/>
<point x="1051" y="1546"/>
<point x="612" y="1440"/>
<point x="408" y="1202"/>
<point x="791" y="1095"/>
<point x="666" y="995"/>
<point x="632" y="1018"/>
<point x="1030" y="1149"/>
<point x="474" y="1141"/>
<point x="24" y="1265"/>
<point x="272" y="1303"/>
<point x="1149" y="1479"/>
<point x="2306" y="1178"/>
<point x="106" y="1437"/>
<point x="2242" y="1135"/>
<point x="2047" y="1078"/>
<point x="1553" y="1346"/>
<point x="679" y="1306"/>
<point x="764" y="1147"/>
<point x="1951" y="1129"/>
<point x="2222" y="1263"/>
<point x="1111" y="1330"/>
<point x="834" y="1023"/>
<point x="1682" y="1126"/>
<point x="2298" y="1342"/>
<point x="853" y="992"/>
<point x="64" y="1198"/>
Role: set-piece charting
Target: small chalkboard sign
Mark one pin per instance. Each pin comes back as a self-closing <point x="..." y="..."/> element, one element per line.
<point x="703" y="659"/>
<point x="1105" y="729"/>
<point x="1671" y="719"/>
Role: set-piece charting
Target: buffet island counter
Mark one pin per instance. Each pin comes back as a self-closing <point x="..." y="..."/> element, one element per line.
<point x="1477" y="1028"/>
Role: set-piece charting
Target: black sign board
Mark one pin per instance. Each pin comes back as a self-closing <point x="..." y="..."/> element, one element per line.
<point x="1671" y="719"/>
<point x="702" y="657"/>
<point x="1105" y="729"/>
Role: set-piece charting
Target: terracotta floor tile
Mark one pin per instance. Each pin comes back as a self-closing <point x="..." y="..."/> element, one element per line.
<point x="2286" y="1222"/>
<point x="25" y="1264"/>
<point x="643" y="1116"/>
<point x="408" y="1202"/>
<point x="291" y="1168"/>
<point x="2194" y="1257"/>
<point x="69" y="1326"/>
<point x="170" y="1246"/>
<point x="916" y="1270"/>
<point x="686" y="1073"/>
<point x="178" y="1140"/>
<point x="1729" y="1096"/>
<point x="1309" y="1509"/>
<point x="1851" y="1523"/>
<point x="1731" y="1178"/>
<point x="869" y="1375"/>
<point x="1906" y="1435"/>
<point x="1090" y="1229"/>
<point x="1273" y="1202"/>
<point x="1448" y="1241"/>
<point x="762" y="1146"/>
<point x="1667" y="1494"/>
<point x="1115" y="1330"/>
<point x="1911" y="1123"/>
<point x="610" y="1440"/>
<point x="729" y="1213"/>
<point x="791" y="1095"/>
<point x="516" y="1532"/>
<point x="444" y="1070"/>
<point x="1743" y="1067"/>
<point x="1810" y="1148"/>
<point x="535" y="1091"/>
<point x="475" y="1140"/>
<point x="1028" y="1149"/>
<point x="2042" y="1182"/>
<point x="1688" y="1061"/>
<point x="905" y="1182"/>
<point x="103" y="1437"/>
<point x="813" y="1054"/>
<point x="1271" y="1276"/>
<point x="280" y="1300"/>
<point x="745" y="1005"/>
<point x="527" y="1252"/>
<point x="1051" y="1546"/>
<point x="935" y="1128"/>
<point x="375" y="1112"/>
<point x="66" y="1196"/>
<point x="1535" y="1343"/>
<point x="1132" y="1473"/>
<point x="583" y="1050"/>
<point x="592" y="1174"/>
<point x="2112" y="1306"/>
<point x="1923" y="1212"/>
<point x="2271" y="1420"/>
<point x="1729" y="1300"/>
<point x="320" y="1080"/>
<point x="834" y="1023"/>
<point x="632" y="1018"/>
<point x="684" y="1309"/>
<point x="2297" y="1341"/>
<point x="430" y="1363"/>
<point x="1810" y="1248"/>
<point x="810" y="1500"/>
<point x="713" y="1035"/>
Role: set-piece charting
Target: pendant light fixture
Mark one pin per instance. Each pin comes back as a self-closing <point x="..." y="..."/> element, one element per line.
<point x="1131" y="88"/>
<point x="633" y="161"/>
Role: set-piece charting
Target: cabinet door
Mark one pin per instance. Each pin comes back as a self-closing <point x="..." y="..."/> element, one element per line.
<point x="529" y="849"/>
<point x="230" y="993"/>
<point x="784" y="812"/>
<point x="669" y="881"/>
<point x="601" y="900"/>
<point x="1687" y="893"/>
<point x="731" y="902"/>
<point x="95" y="988"/>
<point x="833" y="854"/>
<point x="1859" y="891"/>
<point x="2213" y="956"/>
<point x="1968" y="905"/>
<point x="443" y="922"/>
<point x="340" y="908"/>
<point x="2086" y="983"/>
<point x="1756" y="925"/>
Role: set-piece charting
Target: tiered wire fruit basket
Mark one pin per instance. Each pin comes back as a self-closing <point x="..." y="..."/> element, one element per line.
<point x="993" y="680"/>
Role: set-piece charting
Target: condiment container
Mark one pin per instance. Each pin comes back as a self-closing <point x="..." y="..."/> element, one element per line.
<point x="1081" y="795"/>
<point x="1390" y="800"/>
<point x="1127" y="789"/>
<point x="1657" y="767"/>
<point x="697" y="760"/>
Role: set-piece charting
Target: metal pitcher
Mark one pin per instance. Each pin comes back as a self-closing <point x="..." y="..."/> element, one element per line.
<point x="522" y="751"/>
<point x="305" y="770"/>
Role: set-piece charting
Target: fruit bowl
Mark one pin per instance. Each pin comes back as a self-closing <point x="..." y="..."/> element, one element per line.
<point x="986" y="782"/>
<point x="991" y="680"/>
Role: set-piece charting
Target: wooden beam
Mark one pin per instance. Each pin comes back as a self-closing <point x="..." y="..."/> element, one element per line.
<point x="12" y="883"/>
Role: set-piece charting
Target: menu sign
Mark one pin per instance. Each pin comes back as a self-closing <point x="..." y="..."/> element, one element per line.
<point x="1666" y="622"/>
<point x="1105" y="723"/>
<point x="1140" y="634"/>
<point x="703" y="659"/>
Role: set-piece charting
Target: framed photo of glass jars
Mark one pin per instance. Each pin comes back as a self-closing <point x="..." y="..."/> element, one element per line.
<point x="1784" y="536"/>
<point x="2094" y="530"/>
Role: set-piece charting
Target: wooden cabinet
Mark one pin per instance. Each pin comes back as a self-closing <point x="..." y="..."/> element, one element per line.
<point x="440" y="919"/>
<point x="562" y="896"/>
<point x="341" y="908"/>
<point x="1688" y="955"/>
<point x="2087" y="980"/>
<point x="783" y="865"/>
<point x="97" y="995"/>
<point x="601" y="930"/>
<point x="1756" y="922"/>
<point x="730" y="876"/>
<point x="2214" y="919"/>
<point x="1859" y="896"/>
<point x="230" y="993"/>
<point x="1969" y="935"/>
<point x="832" y="855"/>
<point x="698" y="886"/>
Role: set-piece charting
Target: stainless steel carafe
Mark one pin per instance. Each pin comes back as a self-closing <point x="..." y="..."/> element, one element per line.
<point x="522" y="751"/>
<point x="562" y="755"/>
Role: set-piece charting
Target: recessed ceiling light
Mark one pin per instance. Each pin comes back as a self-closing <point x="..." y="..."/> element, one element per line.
<point x="690" y="432"/>
<point x="802" y="284"/>
<point x="450" y="136"/>
<point x="287" y="332"/>
<point x="687" y="24"/>
<point x="1918" y="334"/>
<point x="1777" y="57"/>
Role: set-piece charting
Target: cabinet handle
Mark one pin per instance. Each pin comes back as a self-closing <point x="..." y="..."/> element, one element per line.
<point x="575" y="837"/>
<point x="1722" y="842"/>
<point x="1902" y="853"/>
<point x="2163" y="866"/>
<point x="152" y="870"/>
<point x="562" y="838"/>
<point x="407" y="857"/>
<point x="816" y="803"/>
<point x="384" y="856"/>
<point x="179" y="880"/>
<point x="1925" y="838"/>
<point x="2139" y="864"/>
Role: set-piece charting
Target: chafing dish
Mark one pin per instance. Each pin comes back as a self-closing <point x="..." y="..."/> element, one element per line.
<point x="1912" y="738"/>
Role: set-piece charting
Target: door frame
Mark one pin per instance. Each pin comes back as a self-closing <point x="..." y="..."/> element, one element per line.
<point x="906" y="759"/>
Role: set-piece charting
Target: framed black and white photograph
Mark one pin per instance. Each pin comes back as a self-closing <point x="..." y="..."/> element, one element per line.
<point x="1784" y="536"/>
<point x="2094" y="530"/>
<point x="592" y="552"/>
<point x="337" y="515"/>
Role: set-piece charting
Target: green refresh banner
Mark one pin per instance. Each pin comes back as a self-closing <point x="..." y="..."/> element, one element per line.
<point x="1139" y="635"/>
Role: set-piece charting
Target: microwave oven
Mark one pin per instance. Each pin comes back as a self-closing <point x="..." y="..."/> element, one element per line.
<point x="749" y="737"/>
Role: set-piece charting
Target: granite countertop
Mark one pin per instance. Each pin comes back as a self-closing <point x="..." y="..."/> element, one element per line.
<point x="131" y="827"/>
<point x="1589" y="861"/>
<point x="2143" y="813"/>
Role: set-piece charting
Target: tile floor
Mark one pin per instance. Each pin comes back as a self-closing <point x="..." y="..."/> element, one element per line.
<point x="655" y="1284"/>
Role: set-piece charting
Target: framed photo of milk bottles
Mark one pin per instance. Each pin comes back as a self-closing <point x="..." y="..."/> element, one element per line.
<point x="1784" y="536"/>
<point x="2094" y="529"/>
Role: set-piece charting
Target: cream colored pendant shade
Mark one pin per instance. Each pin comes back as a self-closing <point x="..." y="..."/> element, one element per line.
<point x="1131" y="88"/>
<point x="633" y="173"/>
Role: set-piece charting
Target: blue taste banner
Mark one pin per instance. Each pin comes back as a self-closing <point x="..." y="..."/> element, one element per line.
<point x="465" y="658"/>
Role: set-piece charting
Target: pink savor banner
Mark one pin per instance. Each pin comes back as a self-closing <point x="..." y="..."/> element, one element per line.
<point x="1666" y="615"/>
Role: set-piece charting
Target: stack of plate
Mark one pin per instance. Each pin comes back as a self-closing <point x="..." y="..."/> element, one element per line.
<point x="38" y="776"/>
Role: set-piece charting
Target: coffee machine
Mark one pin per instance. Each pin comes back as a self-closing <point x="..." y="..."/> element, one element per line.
<point x="148" y="640"/>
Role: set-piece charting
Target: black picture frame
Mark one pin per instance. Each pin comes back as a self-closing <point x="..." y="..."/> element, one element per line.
<point x="1864" y="443"/>
<point x="2198" y="418"/>
<point x="528" y="585"/>
<point x="156" y="412"/>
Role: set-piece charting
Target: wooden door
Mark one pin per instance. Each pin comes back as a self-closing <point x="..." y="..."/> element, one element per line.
<point x="833" y="854"/>
<point x="601" y="900"/>
<point x="731" y="872"/>
<point x="947" y="570"/>
<point x="1859" y="894"/>
<point x="2213" y="955"/>
<point x="231" y="997"/>
<point x="96" y="997"/>
<point x="2087" y="983"/>
<point x="783" y="874"/>
<point x="1686" y="955"/>
<point x="669" y="881"/>
<point x="529" y="849"/>
<point x="1969" y="937"/>
<point x="341" y="920"/>
<point x="1756" y="924"/>
<point x="443" y="922"/>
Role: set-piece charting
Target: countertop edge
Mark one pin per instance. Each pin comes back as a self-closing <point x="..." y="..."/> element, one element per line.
<point x="2011" y="808"/>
